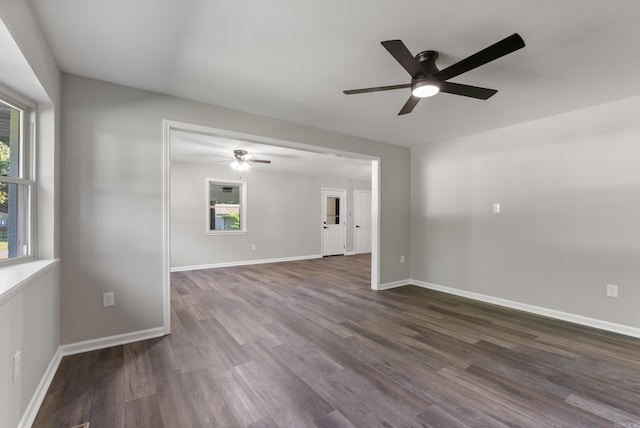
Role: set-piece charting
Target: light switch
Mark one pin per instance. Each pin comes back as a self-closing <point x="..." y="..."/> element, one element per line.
<point x="108" y="299"/>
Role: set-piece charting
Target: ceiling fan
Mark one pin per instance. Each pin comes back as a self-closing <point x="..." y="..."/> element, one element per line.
<point x="427" y="80"/>
<point x="243" y="160"/>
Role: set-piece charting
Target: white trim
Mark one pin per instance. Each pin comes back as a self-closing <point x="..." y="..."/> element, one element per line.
<point x="394" y="284"/>
<point x="17" y="180"/>
<point x="16" y="277"/>
<point x="551" y="313"/>
<point x="38" y="396"/>
<point x="375" y="224"/>
<point x="109" y="341"/>
<point x="30" y="413"/>
<point x="27" y="158"/>
<point x="243" y="185"/>
<point x="350" y="253"/>
<point x="244" y="263"/>
<point x="166" y="226"/>
<point x="260" y="139"/>
<point x="225" y="232"/>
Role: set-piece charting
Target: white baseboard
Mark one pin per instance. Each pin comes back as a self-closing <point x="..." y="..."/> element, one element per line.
<point x="244" y="263"/>
<point x="30" y="413"/>
<point x="33" y="407"/>
<point x="109" y="341"/>
<point x="350" y="253"/>
<point x="551" y="313"/>
<point x="394" y="284"/>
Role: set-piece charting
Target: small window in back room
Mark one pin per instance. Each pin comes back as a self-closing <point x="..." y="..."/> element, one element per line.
<point x="226" y="206"/>
<point x="16" y="186"/>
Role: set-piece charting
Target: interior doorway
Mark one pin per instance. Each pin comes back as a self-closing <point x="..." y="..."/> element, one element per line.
<point x="334" y="224"/>
<point x="172" y="128"/>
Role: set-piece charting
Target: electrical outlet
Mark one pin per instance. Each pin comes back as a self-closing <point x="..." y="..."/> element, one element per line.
<point x="612" y="290"/>
<point x="401" y="259"/>
<point x="253" y="247"/>
<point x="497" y="209"/>
<point x="108" y="299"/>
<point x="17" y="366"/>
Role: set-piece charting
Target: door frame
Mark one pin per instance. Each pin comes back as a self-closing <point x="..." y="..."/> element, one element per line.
<point x="172" y="125"/>
<point x="342" y="215"/>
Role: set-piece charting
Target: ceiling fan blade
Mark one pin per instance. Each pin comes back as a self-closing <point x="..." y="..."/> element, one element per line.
<point x="376" y="89"/>
<point x="259" y="161"/>
<point x="409" y="105"/>
<point x="400" y="52"/>
<point x="467" y="91"/>
<point x="493" y="52"/>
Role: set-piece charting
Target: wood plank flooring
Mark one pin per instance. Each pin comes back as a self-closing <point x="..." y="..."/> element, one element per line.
<point x="308" y="344"/>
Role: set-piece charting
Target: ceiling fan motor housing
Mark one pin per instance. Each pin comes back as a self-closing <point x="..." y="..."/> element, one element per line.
<point x="427" y="60"/>
<point x="426" y="84"/>
<point x="240" y="154"/>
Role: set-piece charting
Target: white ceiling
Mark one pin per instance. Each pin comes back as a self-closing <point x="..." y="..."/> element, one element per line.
<point x="291" y="59"/>
<point x="200" y="148"/>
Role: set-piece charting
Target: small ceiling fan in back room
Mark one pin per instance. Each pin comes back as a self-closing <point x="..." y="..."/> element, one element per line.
<point x="427" y="80"/>
<point x="243" y="160"/>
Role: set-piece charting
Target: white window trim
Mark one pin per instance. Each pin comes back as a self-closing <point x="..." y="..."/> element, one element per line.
<point x="243" y="206"/>
<point x="28" y="166"/>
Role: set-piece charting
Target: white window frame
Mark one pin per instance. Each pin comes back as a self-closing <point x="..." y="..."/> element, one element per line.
<point x="243" y="205"/>
<point x="26" y="178"/>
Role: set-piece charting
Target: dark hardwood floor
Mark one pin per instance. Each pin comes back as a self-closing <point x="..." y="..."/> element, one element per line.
<point x="308" y="344"/>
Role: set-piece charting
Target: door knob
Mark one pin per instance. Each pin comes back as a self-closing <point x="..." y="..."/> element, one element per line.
<point x="357" y="226"/>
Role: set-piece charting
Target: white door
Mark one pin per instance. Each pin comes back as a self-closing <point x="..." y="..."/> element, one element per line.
<point x="333" y="222"/>
<point x="362" y="221"/>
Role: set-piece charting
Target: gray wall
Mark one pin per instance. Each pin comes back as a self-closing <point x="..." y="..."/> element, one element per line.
<point x="112" y="198"/>
<point x="570" y="192"/>
<point x="283" y="215"/>
<point x="29" y="318"/>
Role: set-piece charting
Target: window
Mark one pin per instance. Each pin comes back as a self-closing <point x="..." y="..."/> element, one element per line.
<point x="226" y="202"/>
<point x="16" y="186"/>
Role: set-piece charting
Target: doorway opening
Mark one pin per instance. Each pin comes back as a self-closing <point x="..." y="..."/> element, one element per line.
<point x="171" y="131"/>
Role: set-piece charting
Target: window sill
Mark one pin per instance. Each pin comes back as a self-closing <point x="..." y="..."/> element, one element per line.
<point x="14" y="278"/>
<point x="226" y="232"/>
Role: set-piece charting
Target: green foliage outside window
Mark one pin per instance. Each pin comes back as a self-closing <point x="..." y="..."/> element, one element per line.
<point x="4" y="192"/>
<point x="4" y="170"/>
<point x="232" y="220"/>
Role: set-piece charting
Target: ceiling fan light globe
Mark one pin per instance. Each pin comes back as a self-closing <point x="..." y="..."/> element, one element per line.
<point x="240" y="165"/>
<point x="425" y="89"/>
